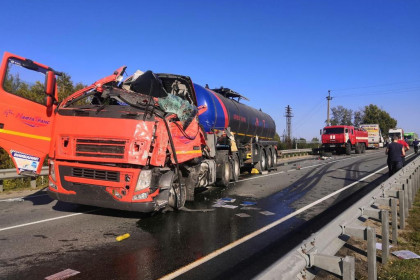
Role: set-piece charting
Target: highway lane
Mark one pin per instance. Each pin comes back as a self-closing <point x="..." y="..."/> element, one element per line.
<point x="162" y="243"/>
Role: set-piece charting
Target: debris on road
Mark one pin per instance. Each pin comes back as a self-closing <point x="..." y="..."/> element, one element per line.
<point x="247" y="203"/>
<point x="250" y="208"/>
<point x="379" y="246"/>
<point x="254" y="171"/>
<point x="243" y="215"/>
<point x="228" y="199"/>
<point x="223" y="205"/>
<point x="63" y="274"/>
<point x="405" y="255"/>
<point x="267" y="213"/>
<point x="122" y="237"/>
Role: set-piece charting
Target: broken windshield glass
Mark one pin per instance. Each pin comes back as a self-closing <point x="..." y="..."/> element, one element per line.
<point x="182" y="108"/>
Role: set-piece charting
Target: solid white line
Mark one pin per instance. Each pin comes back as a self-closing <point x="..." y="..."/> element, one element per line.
<point x="49" y="220"/>
<point x="216" y="253"/>
<point x="23" y="197"/>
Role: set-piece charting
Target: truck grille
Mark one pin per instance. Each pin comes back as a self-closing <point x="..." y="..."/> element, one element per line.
<point x="95" y="174"/>
<point x="100" y="148"/>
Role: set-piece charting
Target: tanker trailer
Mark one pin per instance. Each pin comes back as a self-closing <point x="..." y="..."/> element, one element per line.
<point x="242" y="132"/>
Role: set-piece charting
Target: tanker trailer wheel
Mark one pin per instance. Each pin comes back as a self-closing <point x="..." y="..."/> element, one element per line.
<point x="274" y="157"/>
<point x="236" y="168"/>
<point x="269" y="158"/>
<point x="177" y="194"/>
<point x="226" y="173"/>
<point x="262" y="163"/>
<point x="348" y="148"/>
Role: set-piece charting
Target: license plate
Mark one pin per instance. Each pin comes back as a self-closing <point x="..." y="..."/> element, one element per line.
<point x="332" y="145"/>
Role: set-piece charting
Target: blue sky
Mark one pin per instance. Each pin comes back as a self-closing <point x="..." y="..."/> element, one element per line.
<point x="276" y="53"/>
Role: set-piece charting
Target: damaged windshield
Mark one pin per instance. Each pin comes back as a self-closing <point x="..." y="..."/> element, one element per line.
<point x="142" y="90"/>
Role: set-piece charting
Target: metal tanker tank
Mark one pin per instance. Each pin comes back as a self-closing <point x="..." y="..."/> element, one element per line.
<point x="223" y="111"/>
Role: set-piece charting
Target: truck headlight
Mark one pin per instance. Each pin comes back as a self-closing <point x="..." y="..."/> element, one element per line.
<point x="52" y="170"/>
<point x="145" y="178"/>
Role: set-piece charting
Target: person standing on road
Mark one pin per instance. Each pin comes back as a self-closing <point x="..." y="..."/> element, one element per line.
<point x="406" y="148"/>
<point x="396" y="153"/>
<point x="416" y="145"/>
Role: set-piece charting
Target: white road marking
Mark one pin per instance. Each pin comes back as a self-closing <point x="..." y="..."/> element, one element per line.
<point x="49" y="220"/>
<point x="218" y="252"/>
<point x="23" y="197"/>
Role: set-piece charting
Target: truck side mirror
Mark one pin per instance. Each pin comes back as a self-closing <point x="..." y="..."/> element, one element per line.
<point x="50" y="84"/>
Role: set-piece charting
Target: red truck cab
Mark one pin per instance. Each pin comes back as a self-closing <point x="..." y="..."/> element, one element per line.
<point x="344" y="139"/>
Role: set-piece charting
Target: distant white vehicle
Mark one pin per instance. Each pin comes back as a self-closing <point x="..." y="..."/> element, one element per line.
<point x="375" y="137"/>
<point x="399" y="132"/>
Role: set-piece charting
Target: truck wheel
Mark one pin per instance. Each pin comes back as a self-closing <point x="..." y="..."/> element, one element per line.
<point x="274" y="156"/>
<point x="262" y="163"/>
<point x="348" y="149"/>
<point x="226" y="173"/>
<point x="363" y="148"/>
<point x="236" y="168"/>
<point x="269" y="158"/>
<point x="358" y="148"/>
<point x="177" y="195"/>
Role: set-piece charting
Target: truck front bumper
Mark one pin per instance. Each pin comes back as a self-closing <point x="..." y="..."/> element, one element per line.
<point x="97" y="196"/>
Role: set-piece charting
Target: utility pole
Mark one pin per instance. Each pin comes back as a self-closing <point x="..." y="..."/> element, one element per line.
<point x="289" y="116"/>
<point x="329" y="98"/>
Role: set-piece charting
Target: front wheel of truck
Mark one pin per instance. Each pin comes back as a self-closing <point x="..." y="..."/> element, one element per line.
<point x="177" y="194"/>
<point x="348" y="148"/>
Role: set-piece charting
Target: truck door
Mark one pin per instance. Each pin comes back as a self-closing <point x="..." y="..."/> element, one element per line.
<point x="27" y="92"/>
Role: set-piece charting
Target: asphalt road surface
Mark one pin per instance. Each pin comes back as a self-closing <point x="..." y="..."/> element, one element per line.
<point x="40" y="237"/>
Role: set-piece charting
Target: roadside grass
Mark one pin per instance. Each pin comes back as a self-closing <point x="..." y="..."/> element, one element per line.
<point x="409" y="239"/>
<point x="10" y="185"/>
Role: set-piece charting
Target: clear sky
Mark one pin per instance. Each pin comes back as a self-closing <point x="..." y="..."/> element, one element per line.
<point x="276" y="53"/>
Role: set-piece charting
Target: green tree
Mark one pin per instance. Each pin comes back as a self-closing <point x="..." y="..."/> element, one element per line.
<point x="66" y="86"/>
<point x="341" y="116"/>
<point x="315" y="140"/>
<point x="358" y="118"/>
<point x="373" y="114"/>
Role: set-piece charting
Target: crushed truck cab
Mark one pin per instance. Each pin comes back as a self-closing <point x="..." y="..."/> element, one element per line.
<point x="141" y="144"/>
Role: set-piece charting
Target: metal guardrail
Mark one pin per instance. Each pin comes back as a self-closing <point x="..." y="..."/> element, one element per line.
<point x="293" y="152"/>
<point x="318" y="252"/>
<point x="12" y="174"/>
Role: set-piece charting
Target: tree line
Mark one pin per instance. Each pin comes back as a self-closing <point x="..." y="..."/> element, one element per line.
<point x="370" y="114"/>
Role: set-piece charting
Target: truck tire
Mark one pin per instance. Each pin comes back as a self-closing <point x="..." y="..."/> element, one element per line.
<point x="236" y="168"/>
<point x="262" y="163"/>
<point x="226" y="174"/>
<point x="177" y="195"/>
<point x="274" y="157"/>
<point x="363" y="148"/>
<point x="348" y="149"/>
<point x="269" y="158"/>
<point x="358" y="148"/>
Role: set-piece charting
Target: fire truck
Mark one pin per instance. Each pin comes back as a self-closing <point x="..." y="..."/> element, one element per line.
<point x="143" y="143"/>
<point x="344" y="139"/>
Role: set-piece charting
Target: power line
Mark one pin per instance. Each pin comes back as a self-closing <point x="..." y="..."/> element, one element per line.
<point x="382" y="92"/>
<point x="380" y="85"/>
